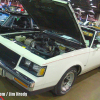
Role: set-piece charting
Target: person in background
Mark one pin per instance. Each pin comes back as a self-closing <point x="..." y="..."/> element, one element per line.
<point x="6" y="7"/>
<point x="0" y="5"/>
<point x="99" y="25"/>
<point x="9" y="4"/>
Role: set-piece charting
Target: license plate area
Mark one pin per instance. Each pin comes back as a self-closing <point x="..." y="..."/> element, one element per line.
<point x="8" y="75"/>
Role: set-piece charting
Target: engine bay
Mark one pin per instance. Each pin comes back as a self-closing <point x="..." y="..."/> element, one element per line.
<point x="39" y="44"/>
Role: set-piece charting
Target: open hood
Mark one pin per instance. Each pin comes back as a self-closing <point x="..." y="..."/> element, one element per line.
<point x="55" y="15"/>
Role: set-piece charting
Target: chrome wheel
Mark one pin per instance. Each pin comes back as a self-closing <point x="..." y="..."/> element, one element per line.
<point x="67" y="81"/>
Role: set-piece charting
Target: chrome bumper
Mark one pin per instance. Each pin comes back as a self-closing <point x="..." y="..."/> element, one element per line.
<point x="16" y="76"/>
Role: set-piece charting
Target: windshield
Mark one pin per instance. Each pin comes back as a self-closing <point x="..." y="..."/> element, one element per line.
<point x="3" y="17"/>
<point x="88" y="34"/>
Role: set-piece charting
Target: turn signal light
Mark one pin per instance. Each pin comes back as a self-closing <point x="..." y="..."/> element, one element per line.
<point x="20" y="82"/>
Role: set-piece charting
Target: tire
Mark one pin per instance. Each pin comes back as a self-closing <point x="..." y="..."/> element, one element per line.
<point x="66" y="82"/>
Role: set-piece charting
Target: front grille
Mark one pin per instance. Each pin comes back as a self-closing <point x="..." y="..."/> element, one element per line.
<point x="8" y="56"/>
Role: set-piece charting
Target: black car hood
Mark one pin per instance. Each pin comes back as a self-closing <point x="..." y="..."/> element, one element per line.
<point x="54" y="15"/>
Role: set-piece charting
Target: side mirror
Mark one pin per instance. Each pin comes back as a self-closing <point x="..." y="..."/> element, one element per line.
<point x="96" y="42"/>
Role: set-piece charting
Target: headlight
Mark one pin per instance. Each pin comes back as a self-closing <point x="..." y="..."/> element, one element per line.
<point x="40" y="70"/>
<point x="32" y="67"/>
<point x="27" y="62"/>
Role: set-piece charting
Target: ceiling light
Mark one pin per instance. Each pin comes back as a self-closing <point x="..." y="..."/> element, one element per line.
<point x="91" y="4"/>
<point x="94" y="6"/>
<point x="82" y="11"/>
<point x="91" y="11"/>
<point x="77" y="8"/>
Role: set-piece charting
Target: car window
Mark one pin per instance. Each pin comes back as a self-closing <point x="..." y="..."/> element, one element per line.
<point x="9" y="22"/>
<point x="3" y="17"/>
<point x="98" y="36"/>
<point x="22" y="22"/>
<point x="88" y="34"/>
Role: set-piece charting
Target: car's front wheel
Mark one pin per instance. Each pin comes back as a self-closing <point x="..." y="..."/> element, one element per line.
<point x="66" y="82"/>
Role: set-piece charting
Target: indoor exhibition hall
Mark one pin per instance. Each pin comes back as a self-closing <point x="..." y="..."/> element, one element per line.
<point x="49" y="49"/>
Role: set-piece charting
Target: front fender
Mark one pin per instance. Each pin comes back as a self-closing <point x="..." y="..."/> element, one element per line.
<point x="73" y="64"/>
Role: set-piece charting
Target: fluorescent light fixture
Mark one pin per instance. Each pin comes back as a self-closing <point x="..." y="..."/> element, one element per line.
<point x="78" y="8"/>
<point x="94" y="6"/>
<point x="82" y="11"/>
<point x="91" y="4"/>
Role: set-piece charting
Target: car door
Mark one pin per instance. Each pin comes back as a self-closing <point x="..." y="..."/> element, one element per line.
<point x="94" y="56"/>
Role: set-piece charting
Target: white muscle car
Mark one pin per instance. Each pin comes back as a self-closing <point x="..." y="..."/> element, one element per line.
<point x="51" y="58"/>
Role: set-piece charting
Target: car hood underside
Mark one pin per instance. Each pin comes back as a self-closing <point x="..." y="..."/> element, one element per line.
<point x="54" y="15"/>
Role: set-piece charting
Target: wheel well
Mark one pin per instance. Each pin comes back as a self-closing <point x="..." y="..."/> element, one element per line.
<point x="78" y="67"/>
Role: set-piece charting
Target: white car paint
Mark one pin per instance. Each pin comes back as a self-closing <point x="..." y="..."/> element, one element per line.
<point x="87" y="58"/>
<point x="57" y="65"/>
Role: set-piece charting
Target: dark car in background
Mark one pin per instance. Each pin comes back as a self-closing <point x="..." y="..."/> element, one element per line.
<point x="12" y="22"/>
